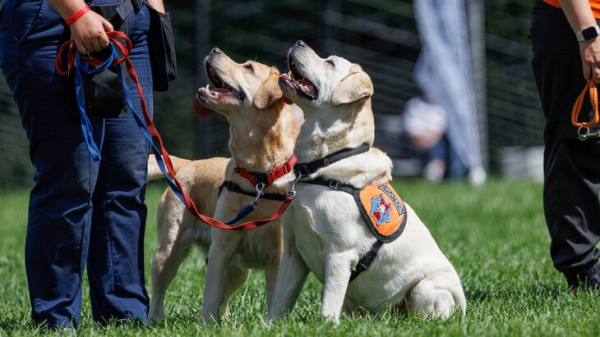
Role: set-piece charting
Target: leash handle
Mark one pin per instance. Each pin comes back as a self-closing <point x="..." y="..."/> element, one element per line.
<point x="593" y="92"/>
<point x="76" y="65"/>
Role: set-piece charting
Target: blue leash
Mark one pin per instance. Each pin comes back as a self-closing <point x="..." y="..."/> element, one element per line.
<point x="86" y="126"/>
<point x="84" y="121"/>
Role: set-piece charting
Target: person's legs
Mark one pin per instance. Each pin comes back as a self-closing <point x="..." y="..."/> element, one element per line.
<point x="116" y="259"/>
<point x="571" y="203"/>
<point x="60" y="205"/>
<point x="572" y="180"/>
<point x="456" y="168"/>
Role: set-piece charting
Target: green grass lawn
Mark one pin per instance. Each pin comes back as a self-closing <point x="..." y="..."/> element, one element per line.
<point x="494" y="235"/>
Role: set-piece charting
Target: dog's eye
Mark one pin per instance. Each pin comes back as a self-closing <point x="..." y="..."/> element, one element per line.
<point x="249" y="67"/>
<point x="331" y="62"/>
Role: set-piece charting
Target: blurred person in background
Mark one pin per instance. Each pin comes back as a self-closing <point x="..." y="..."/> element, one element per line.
<point x="444" y="72"/>
<point x="425" y="124"/>
<point x="83" y="213"/>
<point x="566" y="54"/>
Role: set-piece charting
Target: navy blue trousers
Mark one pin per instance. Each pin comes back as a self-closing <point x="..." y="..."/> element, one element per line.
<point x="571" y="167"/>
<point x="81" y="212"/>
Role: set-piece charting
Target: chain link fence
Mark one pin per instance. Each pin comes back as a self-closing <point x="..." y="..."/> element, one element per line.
<point x="380" y="35"/>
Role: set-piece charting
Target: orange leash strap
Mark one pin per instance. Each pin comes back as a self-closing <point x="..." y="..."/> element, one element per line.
<point x="591" y="88"/>
<point x="593" y="93"/>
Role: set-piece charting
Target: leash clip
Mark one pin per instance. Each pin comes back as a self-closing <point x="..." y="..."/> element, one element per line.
<point x="259" y="192"/>
<point x="587" y="135"/>
<point x="292" y="190"/>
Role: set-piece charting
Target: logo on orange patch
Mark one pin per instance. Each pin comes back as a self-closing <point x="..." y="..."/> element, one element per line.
<point x="380" y="210"/>
<point x="383" y="210"/>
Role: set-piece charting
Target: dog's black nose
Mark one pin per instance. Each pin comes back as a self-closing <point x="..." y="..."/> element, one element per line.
<point x="216" y="50"/>
<point x="301" y="43"/>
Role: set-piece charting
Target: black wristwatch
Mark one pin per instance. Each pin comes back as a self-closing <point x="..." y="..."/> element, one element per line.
<point x="588" y="33"/>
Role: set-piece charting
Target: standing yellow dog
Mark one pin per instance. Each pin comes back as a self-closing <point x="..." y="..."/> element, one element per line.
<point x="262" y="136"/>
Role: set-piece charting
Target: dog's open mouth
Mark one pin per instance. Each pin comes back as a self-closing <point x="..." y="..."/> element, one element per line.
<point x="298" y="82"/>
<point x="221" y="88"/>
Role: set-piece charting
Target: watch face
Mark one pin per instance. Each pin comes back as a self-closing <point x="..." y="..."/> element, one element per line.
<point x="589" y="33"/>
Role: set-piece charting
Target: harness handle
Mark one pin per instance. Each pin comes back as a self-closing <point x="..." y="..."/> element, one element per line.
<point x="149" y="130"/>
<point x="593" y="92"/>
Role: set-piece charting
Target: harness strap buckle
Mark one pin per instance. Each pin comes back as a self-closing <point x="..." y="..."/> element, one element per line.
<point x="302" y="169"/>
<point x="262" y="178"/>
<point x="365" y="261"/>
<point x="334" y="184"/>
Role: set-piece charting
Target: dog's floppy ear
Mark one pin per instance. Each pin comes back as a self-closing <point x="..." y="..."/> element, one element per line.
<point x="268" y="92"/>
<point x="353" y="87"/>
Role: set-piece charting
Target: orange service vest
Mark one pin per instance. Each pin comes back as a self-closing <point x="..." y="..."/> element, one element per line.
<point x="595" y="4"/>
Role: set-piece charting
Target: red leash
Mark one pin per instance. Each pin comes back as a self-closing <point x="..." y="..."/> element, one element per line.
<point x="125" y="49"/>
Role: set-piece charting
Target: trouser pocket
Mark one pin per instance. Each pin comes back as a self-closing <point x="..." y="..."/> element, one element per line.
<point x="35" y="20"/>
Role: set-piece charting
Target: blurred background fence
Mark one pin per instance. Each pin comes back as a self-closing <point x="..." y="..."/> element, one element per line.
<point x="381" y="35"/>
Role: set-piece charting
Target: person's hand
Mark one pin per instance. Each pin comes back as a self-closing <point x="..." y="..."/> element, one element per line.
<point x="590" y="59"/>
<point x="89" y="32"/>
<point x="158" y="5"/>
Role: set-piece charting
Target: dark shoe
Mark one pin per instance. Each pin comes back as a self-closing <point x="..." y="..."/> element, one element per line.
<point x="584" y="281"/>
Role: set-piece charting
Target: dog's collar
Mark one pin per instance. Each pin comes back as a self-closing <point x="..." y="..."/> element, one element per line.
<point x="306" y="169"/>
<point x="267" y="178"/>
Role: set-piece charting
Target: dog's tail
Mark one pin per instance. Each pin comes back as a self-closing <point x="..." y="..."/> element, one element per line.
<point x="154" y="171"/>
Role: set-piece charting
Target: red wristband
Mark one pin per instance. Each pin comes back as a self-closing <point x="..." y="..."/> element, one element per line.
<point x="77" y="15"/>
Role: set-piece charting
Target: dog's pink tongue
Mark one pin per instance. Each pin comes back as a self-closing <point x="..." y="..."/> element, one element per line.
<point x="201" y="110"/>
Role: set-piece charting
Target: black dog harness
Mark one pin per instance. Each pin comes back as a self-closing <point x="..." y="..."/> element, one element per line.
<point x="235" y="188"/>
<point x="380" y="206"/>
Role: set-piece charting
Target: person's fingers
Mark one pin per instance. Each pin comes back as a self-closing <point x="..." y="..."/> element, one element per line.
<point x="103" y="39"/>
<point x="587" y="71"/>
<point x="596" y="74"/>
<point x="80" y="48"/>
<point x="96" y="46"/>
<point x="88" y="46"/>
<point x="107" y="26"/>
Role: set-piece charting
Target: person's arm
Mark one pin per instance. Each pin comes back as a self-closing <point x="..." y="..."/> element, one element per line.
<point x="89" y="31"/>
<point x="579" y="13"/>
<point x="158" y="5"/>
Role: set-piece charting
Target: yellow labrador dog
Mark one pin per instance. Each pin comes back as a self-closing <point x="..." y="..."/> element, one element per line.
<point x="263" y="131"/>
<point x="324" y="231"/>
